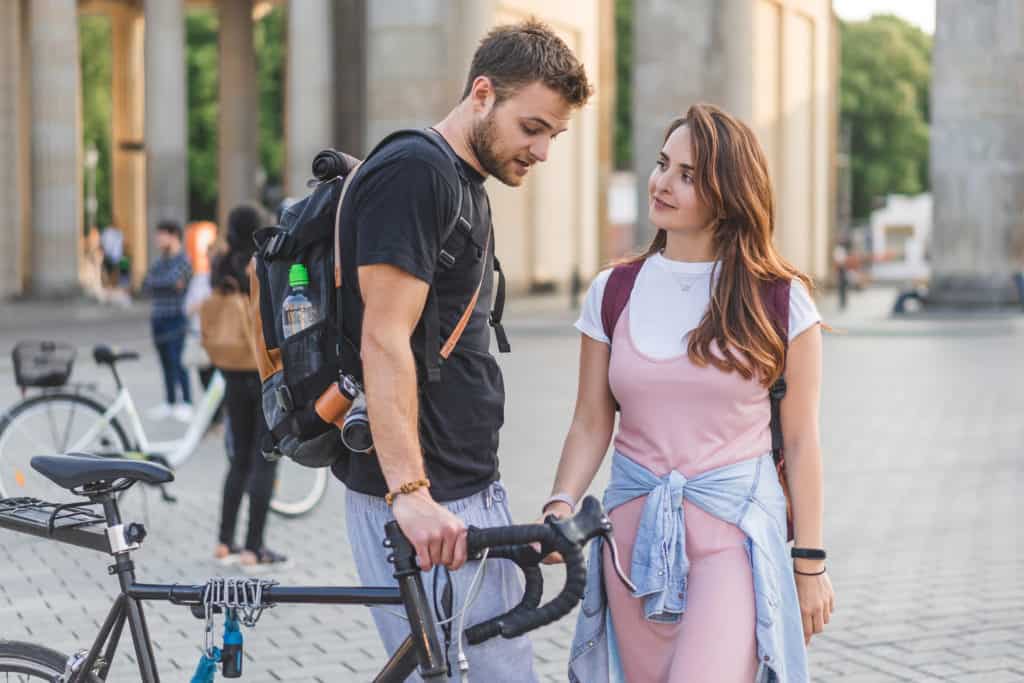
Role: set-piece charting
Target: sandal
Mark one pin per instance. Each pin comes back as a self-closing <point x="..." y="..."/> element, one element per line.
<point x="261" y="559"/>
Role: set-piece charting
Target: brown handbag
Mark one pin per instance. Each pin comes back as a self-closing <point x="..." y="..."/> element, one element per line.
<point x="226" y="328"/>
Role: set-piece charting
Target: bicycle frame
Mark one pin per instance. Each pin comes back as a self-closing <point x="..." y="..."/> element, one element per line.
<point x="420" y="647"/>
<point x="175" y="452"/>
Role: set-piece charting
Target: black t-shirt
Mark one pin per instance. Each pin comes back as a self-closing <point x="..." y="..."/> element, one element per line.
<point x="399" y="204"/>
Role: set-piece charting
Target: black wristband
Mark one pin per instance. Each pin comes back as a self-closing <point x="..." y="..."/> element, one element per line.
<point x="807" y="554"/>
<point x="797" y="571"/>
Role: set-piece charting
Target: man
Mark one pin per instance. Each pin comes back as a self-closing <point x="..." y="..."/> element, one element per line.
<point x="440" y="439"/>
<point x="167" y="281"/>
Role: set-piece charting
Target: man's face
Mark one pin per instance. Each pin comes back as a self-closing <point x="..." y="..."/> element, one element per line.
<point x="509" y="137"/>
<point x="166" y="242"/>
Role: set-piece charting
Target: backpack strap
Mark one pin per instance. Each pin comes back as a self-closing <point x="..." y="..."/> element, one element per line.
<point x="616" y="294"/>
<point x="454" y="239"/>
<point x="499" y="309"/>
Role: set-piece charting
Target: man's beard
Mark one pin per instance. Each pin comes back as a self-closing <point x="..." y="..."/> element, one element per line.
<point x="482" y="141"/>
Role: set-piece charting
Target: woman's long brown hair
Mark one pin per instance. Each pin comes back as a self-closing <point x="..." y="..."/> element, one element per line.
<point x="731" y="179"/>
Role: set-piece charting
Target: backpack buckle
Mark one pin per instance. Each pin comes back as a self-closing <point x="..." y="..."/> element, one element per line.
<point x="274" y="245"/>
<point x="446" y="259"/>
<point x="284" y="399"/>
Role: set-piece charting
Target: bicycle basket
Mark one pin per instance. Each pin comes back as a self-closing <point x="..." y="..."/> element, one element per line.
<point x="42" y="363"/>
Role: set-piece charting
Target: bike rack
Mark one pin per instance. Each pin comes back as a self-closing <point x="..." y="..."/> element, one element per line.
<point x="71" y="523"/>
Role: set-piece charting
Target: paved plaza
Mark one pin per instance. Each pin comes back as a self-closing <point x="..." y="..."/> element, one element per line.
<point x="924" y="455"/>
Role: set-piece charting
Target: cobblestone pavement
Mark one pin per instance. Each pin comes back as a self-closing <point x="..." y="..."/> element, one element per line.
<point x="923" y="441"/>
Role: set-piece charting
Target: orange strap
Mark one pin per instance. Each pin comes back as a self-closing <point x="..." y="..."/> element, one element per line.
<point x="453" y="340"/>
<point x="337" y="225"/>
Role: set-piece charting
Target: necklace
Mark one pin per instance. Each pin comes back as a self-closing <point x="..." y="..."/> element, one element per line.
<point x="685" y="282"/>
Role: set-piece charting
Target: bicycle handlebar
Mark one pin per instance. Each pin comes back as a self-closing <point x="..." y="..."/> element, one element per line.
<point x="567" y="537"/>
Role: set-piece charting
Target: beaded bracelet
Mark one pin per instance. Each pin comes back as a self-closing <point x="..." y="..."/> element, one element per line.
<point x="407" y="487"/>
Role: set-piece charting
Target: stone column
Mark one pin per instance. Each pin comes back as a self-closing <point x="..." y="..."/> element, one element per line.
<point x="684" y="53"/>
<point x="56" y="142"/>
<point x="412" y="52"/>
<point x="166" y="121"/>
<point x="14" y="200"/>
<point x="977" y="151"/>
<point x="350" y="76"/>
<point x="237" y="125"/>
<point x="128" y="185"/>
<point x="309" y="90"/>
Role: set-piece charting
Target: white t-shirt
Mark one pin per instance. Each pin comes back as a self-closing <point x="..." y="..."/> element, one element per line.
<point x="668" y="302"/>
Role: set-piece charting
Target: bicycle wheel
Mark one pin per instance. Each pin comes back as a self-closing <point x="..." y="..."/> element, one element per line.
<point x="51" y="424"/>
<point x="27" y="662"/>
<point x="298" y="489"/>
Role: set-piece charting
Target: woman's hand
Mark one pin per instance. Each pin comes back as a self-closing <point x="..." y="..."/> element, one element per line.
<point x="817" y="599"/>
<point x="559" y="510"/>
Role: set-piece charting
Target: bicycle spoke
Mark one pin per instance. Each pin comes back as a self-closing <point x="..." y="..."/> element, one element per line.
<point x="53" y="425"/>
<point x="43" y="448"/>
<point x="67" y="431"/>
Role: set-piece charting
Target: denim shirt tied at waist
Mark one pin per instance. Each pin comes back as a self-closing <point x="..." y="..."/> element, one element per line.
<point x="746" y="494"/>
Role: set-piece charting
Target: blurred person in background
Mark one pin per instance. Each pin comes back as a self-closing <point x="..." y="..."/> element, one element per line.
<point x="166" y="282"/>
<point x="249" y="472"/>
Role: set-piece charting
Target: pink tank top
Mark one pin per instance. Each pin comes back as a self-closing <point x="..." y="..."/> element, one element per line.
<point x="678" y="416"/>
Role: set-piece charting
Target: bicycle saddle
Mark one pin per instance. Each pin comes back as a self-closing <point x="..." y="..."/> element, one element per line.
<point x="103" y="354"/>
<point x="78" y="469"/>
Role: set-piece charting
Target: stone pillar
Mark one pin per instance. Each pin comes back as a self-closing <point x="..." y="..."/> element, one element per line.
<point x="977" y="151"/>
<point x="237" y="125"/>
<point x="14" y="199"/>
<point x="166" y="122"/>
<point x="350" y="77"/>
<point x="309" y="90"/>
<point x="414" y="71"/>
<point x="56" y="142"/>
<point x="128" y="186"/>
<point x="684" y="53"/>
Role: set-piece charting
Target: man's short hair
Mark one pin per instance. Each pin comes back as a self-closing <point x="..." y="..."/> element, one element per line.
<point x="169" y="226"/>
<point x="517" y="55"/>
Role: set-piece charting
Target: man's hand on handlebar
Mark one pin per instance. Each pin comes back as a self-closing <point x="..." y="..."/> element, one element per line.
<point x="438" y="536"/>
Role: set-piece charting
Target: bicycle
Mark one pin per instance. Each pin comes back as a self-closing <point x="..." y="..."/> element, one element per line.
<point x="101" y="479"/>
<point x="74" y="418"/>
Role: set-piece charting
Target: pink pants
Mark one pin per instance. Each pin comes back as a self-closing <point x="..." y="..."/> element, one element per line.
<point x="715" y="641"/>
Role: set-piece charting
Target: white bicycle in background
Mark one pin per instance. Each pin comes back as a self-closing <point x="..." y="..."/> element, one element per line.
<point x="76" y="418"/>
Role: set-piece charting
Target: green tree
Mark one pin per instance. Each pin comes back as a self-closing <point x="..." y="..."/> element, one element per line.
<point x="95" y="56"/>
<point x="202" y="69"/>
<point x="885" y="76"/>
<point x="624" y="84"/>
<point x="202" y="82"/>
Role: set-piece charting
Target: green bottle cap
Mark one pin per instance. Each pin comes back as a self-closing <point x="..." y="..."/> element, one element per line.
<point x="298" y="276"/>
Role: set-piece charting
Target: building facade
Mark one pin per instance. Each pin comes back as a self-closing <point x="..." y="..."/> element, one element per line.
<point x="357" y="69"/>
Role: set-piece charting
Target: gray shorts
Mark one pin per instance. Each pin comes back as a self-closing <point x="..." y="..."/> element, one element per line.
<point x="498" y="659"/>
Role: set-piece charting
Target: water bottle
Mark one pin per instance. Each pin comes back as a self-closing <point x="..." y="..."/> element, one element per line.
<point x="302" y="357"/>
<point x="298" y="311"/>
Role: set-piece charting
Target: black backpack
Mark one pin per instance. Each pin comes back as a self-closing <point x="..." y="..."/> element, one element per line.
<point x="310" y="380"/>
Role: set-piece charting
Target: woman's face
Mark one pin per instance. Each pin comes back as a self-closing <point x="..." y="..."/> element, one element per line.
<point x="671" y="196"/>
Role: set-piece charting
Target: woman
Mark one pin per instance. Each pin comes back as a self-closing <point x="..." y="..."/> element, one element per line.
<point x="249" y="470"/>
<point x="698" y="510"/>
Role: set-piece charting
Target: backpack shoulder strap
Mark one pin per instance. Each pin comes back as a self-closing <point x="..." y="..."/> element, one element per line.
<point x="616" y="294"/>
